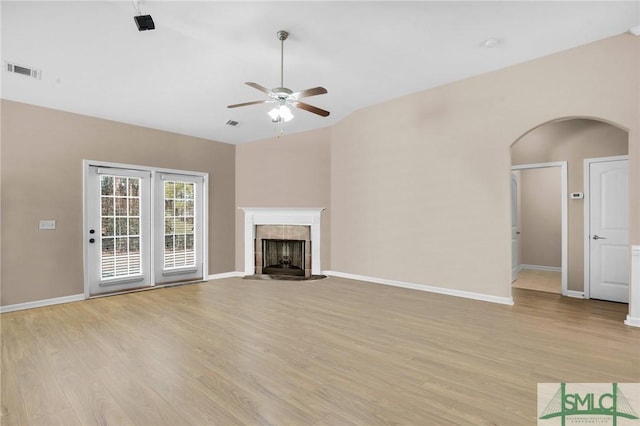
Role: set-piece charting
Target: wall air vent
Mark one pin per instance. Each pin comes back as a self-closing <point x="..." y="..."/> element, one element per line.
<point x="19" y="69"/>
<point x="232" y="123"/>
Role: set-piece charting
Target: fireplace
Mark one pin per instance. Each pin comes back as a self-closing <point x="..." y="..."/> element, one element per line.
<point x="282" y="250"/>
<point x="282" y="224"/>
<point x="283" y="257"/>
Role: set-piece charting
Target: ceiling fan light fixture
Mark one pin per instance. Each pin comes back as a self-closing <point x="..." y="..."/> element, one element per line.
<point x="280" y="113"/>
<point x="285" y="113"/>
<point x="274" y="114"/>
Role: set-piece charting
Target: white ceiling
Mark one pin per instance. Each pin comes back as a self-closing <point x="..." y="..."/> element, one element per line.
<point x="180" y="76"/>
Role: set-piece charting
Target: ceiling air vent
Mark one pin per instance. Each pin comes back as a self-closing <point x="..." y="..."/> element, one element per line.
<point x="232" y="123"/>
<point x="19" y="69"/>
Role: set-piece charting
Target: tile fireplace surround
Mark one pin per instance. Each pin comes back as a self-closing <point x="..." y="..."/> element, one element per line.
<point x="254" y="216"/>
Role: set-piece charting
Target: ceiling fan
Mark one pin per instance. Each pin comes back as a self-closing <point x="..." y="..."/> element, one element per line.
<point x="283" y="96"/>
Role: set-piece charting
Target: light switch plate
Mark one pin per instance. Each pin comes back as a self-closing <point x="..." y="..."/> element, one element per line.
<point x="47" y="225"/>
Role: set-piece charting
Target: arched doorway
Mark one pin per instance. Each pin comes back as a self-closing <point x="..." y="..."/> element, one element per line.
<point x="571" y="140"/>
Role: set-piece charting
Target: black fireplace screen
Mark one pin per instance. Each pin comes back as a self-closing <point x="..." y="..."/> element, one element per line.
<point x="283" y="257"/>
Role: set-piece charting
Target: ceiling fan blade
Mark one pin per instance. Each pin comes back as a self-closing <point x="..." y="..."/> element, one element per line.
<point x="310" y="108"/>
<point x="309" y="92"/>
<point x="249" y="103"/>
<point x="260" y="88"/>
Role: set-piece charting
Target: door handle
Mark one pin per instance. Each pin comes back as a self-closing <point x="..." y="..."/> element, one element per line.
<point x="597" y="237"/>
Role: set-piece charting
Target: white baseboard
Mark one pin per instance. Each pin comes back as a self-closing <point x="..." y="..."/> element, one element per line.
<point x="225" y="275"/>
<point x="575" y="294"/>
<point x="42" y="303"/>
<point x="427" y="288"/>
<point x="633" y="322"/>
<point x="541" y="268"/>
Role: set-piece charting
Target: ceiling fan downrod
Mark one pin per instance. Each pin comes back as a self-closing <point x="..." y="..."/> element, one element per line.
<point x="282" y="36"/>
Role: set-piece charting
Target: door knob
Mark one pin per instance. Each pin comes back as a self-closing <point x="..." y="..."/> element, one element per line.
<point x="597" y="237"/>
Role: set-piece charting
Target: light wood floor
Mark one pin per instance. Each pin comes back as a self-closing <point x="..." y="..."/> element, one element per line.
<point x="534" y="279"/>
<point x="327" y="352"/>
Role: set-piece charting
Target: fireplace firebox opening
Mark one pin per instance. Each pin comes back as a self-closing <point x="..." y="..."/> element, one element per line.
<point x="283" y="257"/>
<point x="283" y="250"/>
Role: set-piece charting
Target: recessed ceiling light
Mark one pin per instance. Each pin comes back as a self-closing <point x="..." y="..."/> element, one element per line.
<point x="490" y="43"/>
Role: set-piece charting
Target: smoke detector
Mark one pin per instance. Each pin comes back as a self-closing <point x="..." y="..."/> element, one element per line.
<point x="490" y="43"/>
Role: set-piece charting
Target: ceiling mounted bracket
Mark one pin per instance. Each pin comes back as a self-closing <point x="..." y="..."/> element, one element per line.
<point x="282" y="35"/>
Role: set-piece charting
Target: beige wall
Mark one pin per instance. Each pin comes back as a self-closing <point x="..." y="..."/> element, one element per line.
<point x="541" y="217"/>
<point x="289" y="171"/>
<point x="42" y="153"/>
<point x="572" y="141"/>
<point x="417" y="189"/>
<point x="428" y="174"/>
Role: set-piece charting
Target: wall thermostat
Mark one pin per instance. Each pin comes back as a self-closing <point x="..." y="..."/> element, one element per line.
<point x="577" y="195"/>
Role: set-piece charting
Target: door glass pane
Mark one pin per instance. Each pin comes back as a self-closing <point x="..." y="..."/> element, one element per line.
<point x="179" y="220"/>
<point x="120" y="238"/>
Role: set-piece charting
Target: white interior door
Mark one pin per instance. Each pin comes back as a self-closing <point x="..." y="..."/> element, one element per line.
<point x="608" y="233"/>
<point x="179" y="230"/>
<point x="515" y="260"/>
<point x="118" y="233"/>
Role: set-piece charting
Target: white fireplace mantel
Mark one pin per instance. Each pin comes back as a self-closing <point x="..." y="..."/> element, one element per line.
<point x="281" y="216"/>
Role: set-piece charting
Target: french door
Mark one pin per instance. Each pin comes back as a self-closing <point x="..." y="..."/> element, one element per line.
<point x="178" y="215"/>
<point x="142" y="228"/>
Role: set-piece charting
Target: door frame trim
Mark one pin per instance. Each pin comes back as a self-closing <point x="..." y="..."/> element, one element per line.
<point x="518" y="268"/>
<point x="586" y="181"/>
<point x="564" y="208"/>
<point x="86" y="164"/>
